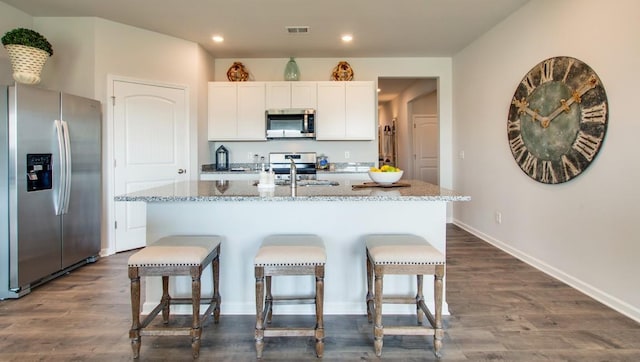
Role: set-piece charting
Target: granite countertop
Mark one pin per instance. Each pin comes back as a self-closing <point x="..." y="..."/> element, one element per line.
<point x="208" y="191"/>
<point x="344" y="167"/>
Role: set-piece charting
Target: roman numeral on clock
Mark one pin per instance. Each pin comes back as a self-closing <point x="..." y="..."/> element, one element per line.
<point x="513" y="126"/>
<point x="548" y="174"/>
<point x="546" y="71"/>
<point x="566" y="73"/>
<point x="595" y="114"/>
<point x="530" y="164"/>
<point x="570" y="170"/>
<point x="528" y="83"/>
<point x="517" y="147"/>
<point x="587" y="145"/>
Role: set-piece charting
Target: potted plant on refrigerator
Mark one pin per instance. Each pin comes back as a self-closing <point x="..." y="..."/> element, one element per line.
<point x="28" y="51"/>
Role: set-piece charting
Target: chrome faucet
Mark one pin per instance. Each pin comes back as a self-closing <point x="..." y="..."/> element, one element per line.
<point x="292" y="176"/>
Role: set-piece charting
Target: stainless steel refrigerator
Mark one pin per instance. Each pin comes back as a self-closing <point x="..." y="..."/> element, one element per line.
<point x="50" y="185"/>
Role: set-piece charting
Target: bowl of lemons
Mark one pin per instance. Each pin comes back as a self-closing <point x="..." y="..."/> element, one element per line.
<point x="385" y="175"/>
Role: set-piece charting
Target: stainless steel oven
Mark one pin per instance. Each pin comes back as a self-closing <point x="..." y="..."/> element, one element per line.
<point x="280" y="163"/>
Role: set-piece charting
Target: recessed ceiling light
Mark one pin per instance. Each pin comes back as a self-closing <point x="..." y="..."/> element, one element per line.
<point x="217" y="38"/>
<point x="347" y="38"/>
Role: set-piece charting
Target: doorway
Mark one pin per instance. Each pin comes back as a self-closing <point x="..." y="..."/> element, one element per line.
<point x="151" y="132"/>
<point x="399" y="100"/>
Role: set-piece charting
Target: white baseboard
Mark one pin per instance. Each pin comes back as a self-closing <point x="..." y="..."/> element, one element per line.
<point x="595" y="293"/>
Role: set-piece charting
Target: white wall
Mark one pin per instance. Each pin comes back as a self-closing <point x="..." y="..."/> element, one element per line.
<point x="584" y="231"/>
<point x="87" y="51"/>
<point x="71" y="69"/>
<point x="319" y="69"/>
<point x="10" y="18"/>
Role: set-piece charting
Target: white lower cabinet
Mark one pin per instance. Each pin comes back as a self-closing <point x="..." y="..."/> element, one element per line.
<point x="346" y="111"/>
<point x="338" y="176"/>
<point x="248" y="176"/>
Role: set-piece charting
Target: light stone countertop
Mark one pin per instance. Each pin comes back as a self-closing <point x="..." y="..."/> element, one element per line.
<point x="211" y="191"/>
<point x="249" y="168"/>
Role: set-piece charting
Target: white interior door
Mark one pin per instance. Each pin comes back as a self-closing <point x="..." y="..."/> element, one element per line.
<point x="150" y="149"/>
<point x="426" y="137"/>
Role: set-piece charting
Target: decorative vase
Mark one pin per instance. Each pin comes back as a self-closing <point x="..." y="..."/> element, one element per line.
<point x="291" y="71"/>
<point x="27" y="62"/>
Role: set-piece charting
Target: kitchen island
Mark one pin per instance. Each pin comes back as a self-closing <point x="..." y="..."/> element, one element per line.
<point x="244" y="214"/>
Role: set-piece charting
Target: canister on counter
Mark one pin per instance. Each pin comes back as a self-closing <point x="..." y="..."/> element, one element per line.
<point x="322" y="163"/>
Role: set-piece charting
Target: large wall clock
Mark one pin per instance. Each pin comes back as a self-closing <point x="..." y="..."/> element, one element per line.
<point x="557" y="120"/>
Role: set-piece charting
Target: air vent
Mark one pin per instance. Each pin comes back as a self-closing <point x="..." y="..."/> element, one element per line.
<point x="297" y="29"/>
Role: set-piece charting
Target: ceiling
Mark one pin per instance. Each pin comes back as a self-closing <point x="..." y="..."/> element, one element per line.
<point x="257" y="28"/>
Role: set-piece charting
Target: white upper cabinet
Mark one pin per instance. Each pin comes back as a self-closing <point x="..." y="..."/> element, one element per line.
<point x="346" y="111"/>
<point x="304" y="95"/>
<point x="237" y="111"/>
<point x="291" y="95"/>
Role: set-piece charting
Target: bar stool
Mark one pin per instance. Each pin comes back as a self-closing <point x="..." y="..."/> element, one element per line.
<point x="171" y="256"/>
<point x="403" y="254"/>
<point x="289" y="255"/>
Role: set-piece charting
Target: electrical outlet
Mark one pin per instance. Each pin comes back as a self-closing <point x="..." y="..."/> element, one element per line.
<point x="347" y="154"/>
<point x="462" y="155"/>
<point x="498" y="217"/>
<point x="250" y="156"/>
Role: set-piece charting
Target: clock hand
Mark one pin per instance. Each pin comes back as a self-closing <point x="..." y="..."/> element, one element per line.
<point x="576" y="97"/>
<point x="523" y="107"/>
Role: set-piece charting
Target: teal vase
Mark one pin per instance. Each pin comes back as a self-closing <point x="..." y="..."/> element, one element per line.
<point x="291" y="71"/>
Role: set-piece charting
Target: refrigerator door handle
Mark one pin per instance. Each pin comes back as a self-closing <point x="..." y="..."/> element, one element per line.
<point x="67" y="161"/>
<point x="59" y="203"/>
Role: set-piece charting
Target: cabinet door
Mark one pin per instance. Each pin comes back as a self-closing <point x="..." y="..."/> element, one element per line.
<point x="342" y="176"/>
<point x="278" y="95"/>
<point x="251" y="111"/>
<point x="359" y="111"/>
<point x="304" y="95"/>
<point x="246" y="176"/>
<point x="222" y="113"/>
<point x="330" y="116"/>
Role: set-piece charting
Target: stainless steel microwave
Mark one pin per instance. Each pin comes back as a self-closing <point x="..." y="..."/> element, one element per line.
<point x="291" y="123"/>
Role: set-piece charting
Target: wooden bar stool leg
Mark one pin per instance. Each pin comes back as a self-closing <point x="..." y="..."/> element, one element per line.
<point x="269" y="300"/>
<point x="378" y="329"/>
<point x="419" y="298"/>
<point x="196" y="331"/>
<point x="259" y="333"/>
<point x="369" y="288"/>
<point x="134" y="332"/>
<point x="319" y="332"/>
<point x="166" y="299"/>
<point x="438" y="291"/>
<point x="216" y="287"/>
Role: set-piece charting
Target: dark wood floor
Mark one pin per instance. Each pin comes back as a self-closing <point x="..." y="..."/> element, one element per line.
<point x="501" y="309"/>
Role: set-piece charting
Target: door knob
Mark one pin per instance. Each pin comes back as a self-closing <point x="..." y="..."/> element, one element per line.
<point x="181" y="170"/>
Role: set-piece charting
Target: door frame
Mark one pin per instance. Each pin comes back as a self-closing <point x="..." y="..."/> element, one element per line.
<point x="108" y="155"/>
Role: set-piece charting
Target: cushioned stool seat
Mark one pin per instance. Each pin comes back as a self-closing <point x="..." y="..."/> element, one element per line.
<point x="289" y="255"/>
<point x="403" y="254"/>
<point x="171" y="256"/>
